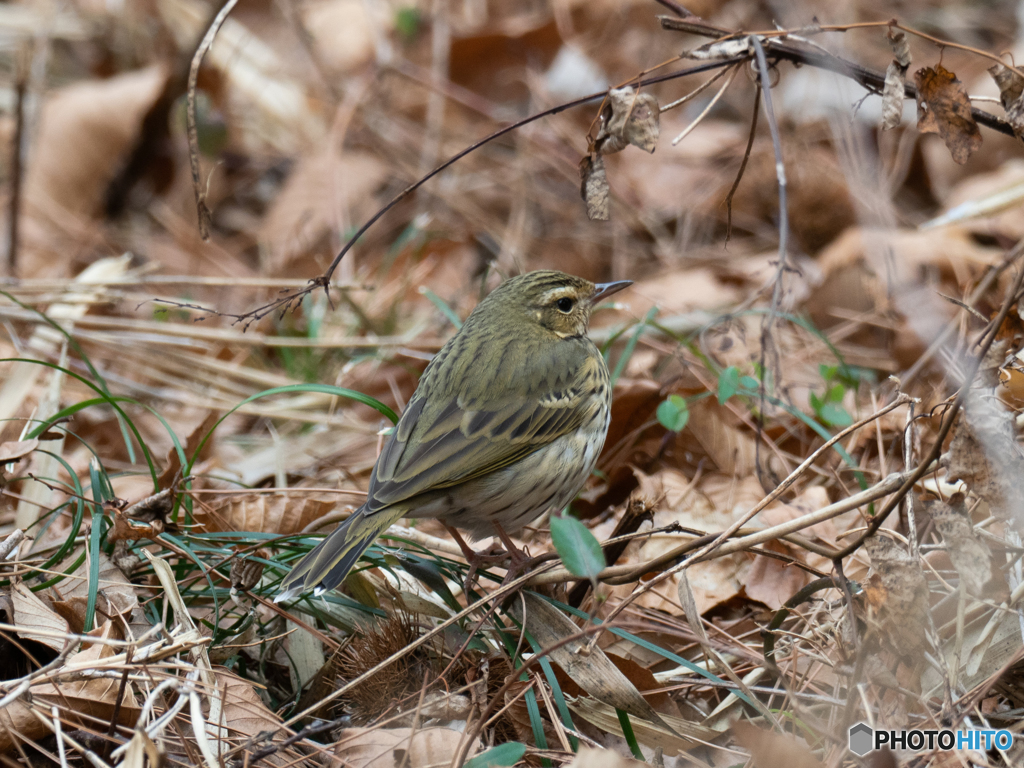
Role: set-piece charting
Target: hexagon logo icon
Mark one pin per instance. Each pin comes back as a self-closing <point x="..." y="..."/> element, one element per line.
<point x="861" y="739"/>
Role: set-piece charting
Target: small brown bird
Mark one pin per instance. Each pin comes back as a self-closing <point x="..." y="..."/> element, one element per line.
<point x="507" y="423"/>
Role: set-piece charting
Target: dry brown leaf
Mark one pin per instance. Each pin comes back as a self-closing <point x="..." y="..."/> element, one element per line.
<point x="517" y="715"/>
<point x="969" y="553"/>
<point x="859" y="271"/>
<point x="628" y="118"/>
<point x="172" y="465"/>
<point x="594" y="672"/>
<point x="84" y="132"/>
<point x="594" y="188"/>
<point x="898" y="590"/>
<point x="244" y="711"/>
<point x="73" y="612"/>
<point x="1011" y="94"/>
<point x="16" y="449"/>
<point x="645" y="681"/>
<point x="327" y="192"/>
<point x="116" y="594"/>
<point x="683" y="290"/>
<point x="282" y="513"/>
<point x="715" y="581"/>
<point x="732" y="449"/>
<point x="773" y="582"/>
<point x="894" y="90"/>
<point x="769" y="749"/>
<point x="31" y="613"/>
<point x="945" y="109"/>
<point x="97" y="698"/>
<point x="395" y="747"/>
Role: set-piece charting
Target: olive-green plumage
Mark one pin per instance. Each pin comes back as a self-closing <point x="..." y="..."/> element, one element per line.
<point x="506" y="423"/>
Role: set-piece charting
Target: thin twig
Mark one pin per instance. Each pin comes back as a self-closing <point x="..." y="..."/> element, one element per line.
<point x="710" y="105"/>
<point x="743" y="165"/>
<point x="780" y="173"/>
<point x="624" y="574"/>
<point x="190" y="117"/>
<point x="696" y="91"/>
<point x="17" y="153"/>
<point x="870" y="79"/>
<point x="324" y="280"/>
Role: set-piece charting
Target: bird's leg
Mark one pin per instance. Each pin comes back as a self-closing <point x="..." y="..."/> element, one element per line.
<point x="473" y="558"/>
<point x="520" y="559"/>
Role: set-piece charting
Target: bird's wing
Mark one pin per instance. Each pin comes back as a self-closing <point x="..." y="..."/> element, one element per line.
<point x="453" y="431"/>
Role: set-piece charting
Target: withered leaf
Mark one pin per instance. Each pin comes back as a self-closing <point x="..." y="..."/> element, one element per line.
<point x="970" y="555"/>
<point x="588" y="667"/>
<point x="768" y="748"/>
<point x="943" y="108"/>
<point x="900" y="47"/>
<point x="894" y="89"/>
<point x="594" y="188"/>
<point x="892" y="95"/>
<point x="16" y="449"/>
<point x="628" y="117"/>
<point x="1011" y="94"/>
<point x="31" y="613"/>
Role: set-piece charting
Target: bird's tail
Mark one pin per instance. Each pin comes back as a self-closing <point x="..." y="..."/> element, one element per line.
<point x="329" y="562"/>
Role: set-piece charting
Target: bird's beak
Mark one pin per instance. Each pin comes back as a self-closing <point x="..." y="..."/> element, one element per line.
<point x="604" y="290"/>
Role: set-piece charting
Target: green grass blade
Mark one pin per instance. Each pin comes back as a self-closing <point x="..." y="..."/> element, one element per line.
<point x="627" y="353"/>
<point x="627" y="731"/>
<point x="442" y="307"/>
<point x="104" y="397"/>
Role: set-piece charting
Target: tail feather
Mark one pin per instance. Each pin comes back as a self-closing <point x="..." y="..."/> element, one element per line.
<point x="327" y="564"/>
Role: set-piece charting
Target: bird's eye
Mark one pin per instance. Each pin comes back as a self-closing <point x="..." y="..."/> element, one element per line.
<point x="564" y="305"/>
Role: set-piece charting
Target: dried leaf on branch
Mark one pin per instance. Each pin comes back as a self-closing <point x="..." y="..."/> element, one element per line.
<point x="1011" y="94"/>
<point x="594" y="189"/>
<point x="628" y="118"/>
<point x="944" y="108"/>
<point x="894" y="90"/>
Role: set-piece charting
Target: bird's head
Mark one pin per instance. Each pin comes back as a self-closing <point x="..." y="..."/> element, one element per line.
<point x="556" y="301"/>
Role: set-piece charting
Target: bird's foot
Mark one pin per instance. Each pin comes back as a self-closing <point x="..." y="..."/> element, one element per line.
<point x="518" y="560"/>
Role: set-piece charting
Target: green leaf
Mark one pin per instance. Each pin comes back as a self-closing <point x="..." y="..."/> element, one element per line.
<point x="580" y="551"/>
<point x="835" y="415"/>
<point x="673" y="413"/>
<point x="836" y="393"/>
<point x="509" y="753"/>
<point x="728" y="384"/>
<point x="816" y="402"/>
<point x="749" y="382"/>
<point x="407" y="24"/>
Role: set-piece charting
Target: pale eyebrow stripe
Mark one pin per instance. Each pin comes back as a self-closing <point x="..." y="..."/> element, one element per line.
<point x="556" y="293"/>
